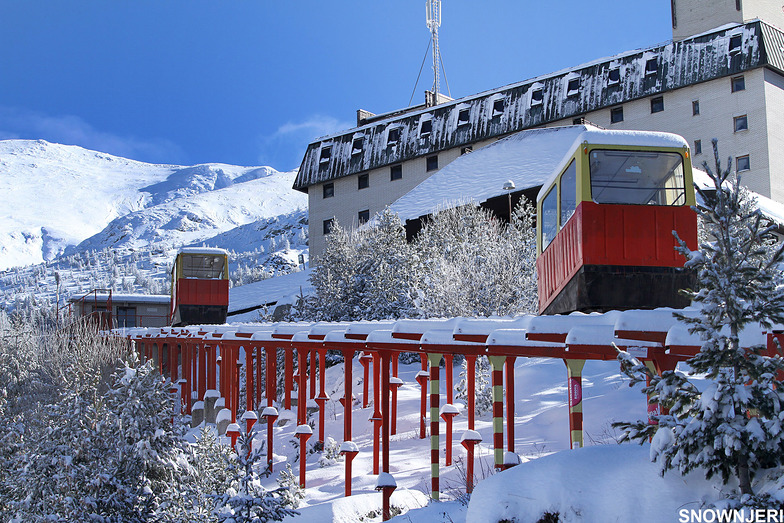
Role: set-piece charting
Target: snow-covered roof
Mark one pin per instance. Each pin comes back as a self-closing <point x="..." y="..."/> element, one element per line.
<point x="127" y="298"/>
<point x="542" y="100"/>
<point x="203" y="250"/>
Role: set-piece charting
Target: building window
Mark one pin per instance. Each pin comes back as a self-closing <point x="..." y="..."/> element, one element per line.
<point x="738" y="83"/>
<point x="614" y="77"/>
<point x="498" y="107"/>
<point x="735" y="43"/>
<point x="467" y="149"/>
<point x="363" y="181"/>
<point x="357" y="145"/>
<point x="578" y="121"/>
<point x="425" y="128"/>
<point x="651" y="67"/>
<point x="697" y="147"/>
<point x="463" y="116"/>
<point x="742" y="163"/>
<point x="737" y="5"/>
<point x="657" y="104"/>
<point x="695" y="107"/>
<point x="328" y="190"/>
<point x="741" y="123"/>
<point x="537" y="97"/>
<point x="573" y="87"/>
<point x="616" y="114"/>
<point x="393" y="136"/>
<point x="432" y="163"/>
<point x="327" y="225"/>
<point x="395" y="172"/>
<point x="363" y="216"/>
<point x="326" y="153"/>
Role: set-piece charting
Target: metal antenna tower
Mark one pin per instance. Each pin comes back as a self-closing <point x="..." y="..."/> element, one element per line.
<point x="433" y="8"/>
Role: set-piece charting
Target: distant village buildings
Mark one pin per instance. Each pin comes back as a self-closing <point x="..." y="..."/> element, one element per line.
<point x="721" y="77"/>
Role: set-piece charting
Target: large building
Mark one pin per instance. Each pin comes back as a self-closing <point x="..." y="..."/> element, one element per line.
<point x="721" y="77"/>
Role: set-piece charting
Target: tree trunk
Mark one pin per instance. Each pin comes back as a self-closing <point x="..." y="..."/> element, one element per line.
<point x="744" y="479"/>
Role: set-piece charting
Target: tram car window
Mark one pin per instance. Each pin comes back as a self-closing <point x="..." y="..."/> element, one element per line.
<point x="605" y="222"/>
<point x="200" y="287"/>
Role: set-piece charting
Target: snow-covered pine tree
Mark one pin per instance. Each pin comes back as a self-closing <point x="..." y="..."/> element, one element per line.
<point x="732" y="428"/>
<point x="335" y="278"/>
<point x="483" y="387"/>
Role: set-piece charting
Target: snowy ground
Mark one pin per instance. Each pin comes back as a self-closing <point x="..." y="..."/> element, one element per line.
<point x="541" y="429"/>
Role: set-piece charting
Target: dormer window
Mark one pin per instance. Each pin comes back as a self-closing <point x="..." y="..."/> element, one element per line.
<point x="498" y="107"/>
<point x="651" y="67"/>
<point x="357" y="145"/>
<point x="537" y="97"/>
<point x="463" y="116"/>
<point x="614" y="77"/>
<point x="393" y="136"/>
<point x="573" y="87"/>
<point x="326" y="154"/>
<point x="735" y="43"/>
<point x="425" y="128"/>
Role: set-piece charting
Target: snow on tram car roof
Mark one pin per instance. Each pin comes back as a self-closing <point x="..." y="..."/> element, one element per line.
<point x="595" y="136"/>
<point x="202" y="250"/>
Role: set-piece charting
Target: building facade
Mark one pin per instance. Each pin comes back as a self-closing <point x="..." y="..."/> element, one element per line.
<point x="725" y="83"/>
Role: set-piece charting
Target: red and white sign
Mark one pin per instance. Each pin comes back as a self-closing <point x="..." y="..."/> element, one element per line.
<point x="575" y="392"/>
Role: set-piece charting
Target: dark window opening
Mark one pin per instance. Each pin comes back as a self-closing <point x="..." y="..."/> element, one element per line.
<point x="393" y="136"/>
<point x="357" y="145"/>
<point x="573" y="87"/>
<point x="697" y="147"/>
<point x="498" y="107"/>
<point x="742" y="163"/>
<point x="396" y="172"/>
<point x="657" y="104"/>
<point x="738" y="83"/>
<point x="578" y="121"/>
<point x="616" y="114"/>
<point x="425" y="128"/>
<point x="537" y="97"/>
<point x="326" y="154"/>
<point x="432" y="163"/>
<point x="328" y="190"/>
<point x="735" y="43"/>
<point x="363" y="181"/>
<point x="467" y="149"/>
<point x="651" y="67"/>
<point x="614" y="77"/>
<point x="741" y="123"/>
<point x="737" y="5"/>
<point x="126" y="317"/>
<point x="695" y="108"/>
<point x="463" y="116"/>
<point x="327" y="225"/>
<point x="363" y="216"/>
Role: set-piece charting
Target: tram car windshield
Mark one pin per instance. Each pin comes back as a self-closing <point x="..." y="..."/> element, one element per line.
<point x="200" y="287"/>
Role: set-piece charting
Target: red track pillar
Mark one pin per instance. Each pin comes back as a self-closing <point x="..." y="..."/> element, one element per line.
<point x="236" y="388"/>
<point x="435" y="361"/>
<point x="376" y="417"/>
<point x="288" y="377"/>
<point x="302" y="387"/>
<point x="349" y="450"/>
<point x="312" y="374"/>
<point x="249" y="379"/>
<point x="348" y="356"/>
<point x="173" y="374"/>
<point x="471" y="378"/>
<point x="188" y="375"/>
<point x="421" y="378"/>
<point x="395" y="383"/>
<point x="448" y="412"/>
<point x="575" y="386"/>
<point x="510" y="402"/>
<point x="497" y="365"/>
<point x="212" y="366"/>
<point x="385" y="431"/>
<point x="258" y="350"/>
<point x="202" y="371"/>
<point x="272" y="385"/>
<point x="322" y="397"/>
<point x="271" y="414"/>
<point x="364" y="360"/>
<point x="469" y="440"/>
<point x="303" y="433"/>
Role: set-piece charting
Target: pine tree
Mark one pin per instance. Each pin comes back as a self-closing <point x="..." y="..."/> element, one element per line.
<point x="733" y="427"/>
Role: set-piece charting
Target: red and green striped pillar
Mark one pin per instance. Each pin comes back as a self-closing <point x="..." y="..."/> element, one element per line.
<point x="575" y="387"/>
<point x="434" y="360"/>
<point x="497" y="380"/>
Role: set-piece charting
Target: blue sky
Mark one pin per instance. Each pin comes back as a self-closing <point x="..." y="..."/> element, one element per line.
<point x="251" y="82"/>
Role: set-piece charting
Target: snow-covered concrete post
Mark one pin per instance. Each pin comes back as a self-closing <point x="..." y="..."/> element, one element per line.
<point x="575" y="387"/>
<point x="288" y="377"/>
<point x="470" y="439"/>
<point x="387" y="485"/>
<point x="302" y="386"/>
<point x="303" y="433"/>
<point x="364" y="360"/>
<point x="435" y="361"/>
<point x="395" y="383"/>
<point x="497" y="365"/>
<point x="471" y="399"/>
<point x="270" y="413"/>
<point x="322" y="397"/>
<point x="233" y="431"/>
<point x="448" y="412"/>
<point x="421" y="378"/>
<point x="510" y="402"/>
<point x="250" y="418"/>
<point x="349" y="450"/>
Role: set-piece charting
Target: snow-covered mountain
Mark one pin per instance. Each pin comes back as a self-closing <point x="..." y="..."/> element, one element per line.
<point x="59" y="199"/>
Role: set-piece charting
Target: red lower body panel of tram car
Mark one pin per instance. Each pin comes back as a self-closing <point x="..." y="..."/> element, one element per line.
<point x="617" y="257"/>
<point x="202" y="301"/>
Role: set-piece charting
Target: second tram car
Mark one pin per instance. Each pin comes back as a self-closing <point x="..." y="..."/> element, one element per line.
<point x="605" y="220"/>
<point x="200" y="286"/>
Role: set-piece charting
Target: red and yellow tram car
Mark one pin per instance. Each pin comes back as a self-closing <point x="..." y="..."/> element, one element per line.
<point x="200" y="286"/>
<point x="605" y="220"/>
